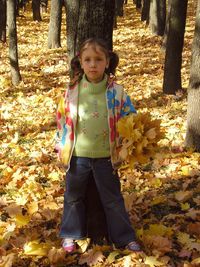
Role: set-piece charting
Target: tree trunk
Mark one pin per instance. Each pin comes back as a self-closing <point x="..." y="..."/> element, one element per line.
<point x="162" y="9"/>
<point x="119" y="8"/>
<point x="12" y="34"/>
<point x="89" y="18"/>
<point x="164" y="42"/>
<point x="3" y="21"/>
<point x="119" y="11"/>
<point x="157" y="16"/>
<point x="36" y="10"/>
<point x="85" y="19"/>
<point x="174" y="47"/>
<point x="55" y="24"/>
<point x="138" y="3"/>
<point x="145" y="11"/>
<point x="193" y="110"/>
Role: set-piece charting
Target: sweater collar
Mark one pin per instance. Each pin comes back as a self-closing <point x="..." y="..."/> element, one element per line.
<point x="94" y="88"/>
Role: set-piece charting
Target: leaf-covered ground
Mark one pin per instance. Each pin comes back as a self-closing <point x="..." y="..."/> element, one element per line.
<point x="162" y="196"/>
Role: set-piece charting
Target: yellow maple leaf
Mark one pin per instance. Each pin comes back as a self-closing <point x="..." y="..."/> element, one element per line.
<point x="112" y="256"/>
<point x="158" y="200"/>
<point x="32" y="207"/>
<point x="36" y="248"/>
<point x="159" y="229"/>
<point x="185" y="206"/>
<point x="83" y="244"/>
<point x="22" y="220"/>
<point x="184" y="238"/>
<point x="54" y="176"/>
<point x="153" y="262"/>
<point x="139" y="136"/>
<point x="185" y="170"/>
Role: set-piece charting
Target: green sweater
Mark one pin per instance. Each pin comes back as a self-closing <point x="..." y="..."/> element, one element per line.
<point x="92" y="132"/>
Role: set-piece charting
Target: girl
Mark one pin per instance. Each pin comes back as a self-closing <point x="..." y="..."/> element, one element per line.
<point x="88" y="141"/>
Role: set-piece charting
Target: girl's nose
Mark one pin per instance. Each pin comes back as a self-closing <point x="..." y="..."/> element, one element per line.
<point x="93" y="64"/>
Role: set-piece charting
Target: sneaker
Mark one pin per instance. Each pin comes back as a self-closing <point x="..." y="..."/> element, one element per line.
<point x="68" y="245"/>
<point x="134" y="246"/>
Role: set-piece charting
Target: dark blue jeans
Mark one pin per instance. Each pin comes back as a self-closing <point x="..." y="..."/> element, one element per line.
<point x="108" y="185"/>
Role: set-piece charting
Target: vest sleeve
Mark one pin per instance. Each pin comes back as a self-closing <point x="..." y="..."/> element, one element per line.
<point x="127" y="106"/>
<point x="61" y="127"/>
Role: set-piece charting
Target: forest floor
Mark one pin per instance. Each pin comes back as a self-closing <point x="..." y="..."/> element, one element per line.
<point x="162" y="197"/>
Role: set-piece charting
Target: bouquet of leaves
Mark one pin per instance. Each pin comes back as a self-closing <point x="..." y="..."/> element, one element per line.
<point x="139" y="137"/>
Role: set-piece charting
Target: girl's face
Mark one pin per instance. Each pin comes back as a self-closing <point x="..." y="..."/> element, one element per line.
<point x="93" y="62"/>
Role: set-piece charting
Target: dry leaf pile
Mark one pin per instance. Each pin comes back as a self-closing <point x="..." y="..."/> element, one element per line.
<point x="161" y="195"/>
<point x="139" y="137"/>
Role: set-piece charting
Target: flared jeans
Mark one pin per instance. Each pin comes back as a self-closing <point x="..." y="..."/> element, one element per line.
<point x="73" y="223"/>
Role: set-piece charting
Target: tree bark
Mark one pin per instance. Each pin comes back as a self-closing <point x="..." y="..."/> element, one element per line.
<point x="36" y="10"/>
<point x="145" y="11"/>
<point x="119" y="8"/>
<point x="174" y="47"/>
<point x="164" y="42"/>
<point x="138" y="3"/>
<point x="89" y="18"/>
<point x="157" y="16"/>
<point x="55" y="24"/>
<point x="193" y="110"/>
<point x="12" y="34"/>
<point x="3" y="21"/>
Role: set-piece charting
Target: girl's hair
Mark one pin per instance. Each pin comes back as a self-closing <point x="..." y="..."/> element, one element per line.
<point x="76" y="70"/>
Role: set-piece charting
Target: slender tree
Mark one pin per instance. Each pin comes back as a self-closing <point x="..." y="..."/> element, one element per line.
<point x="174" y="47"/>
<point x="145" y="11"/>
<point x="138" y="3"/>
<point x="12" y="34"/>
<point x="193" y="109"/>
<point x="55" y="24"/>
<point x="164" y="42"/>
<point x="36" y="10"/>
<point x="119" y="7"/>
<point x="157" y="16"/>
<point x="119" y="11"/>
<point x="3" y="21"/>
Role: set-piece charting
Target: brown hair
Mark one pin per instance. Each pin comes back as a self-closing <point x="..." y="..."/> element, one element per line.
<point x="76" y="70"/>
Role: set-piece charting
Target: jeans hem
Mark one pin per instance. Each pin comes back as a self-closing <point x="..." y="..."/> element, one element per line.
<point x="124" y="243"/>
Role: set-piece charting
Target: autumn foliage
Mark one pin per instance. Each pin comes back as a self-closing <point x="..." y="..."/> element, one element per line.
<point x="139" y="138"/>
<point x="161" y="191"/>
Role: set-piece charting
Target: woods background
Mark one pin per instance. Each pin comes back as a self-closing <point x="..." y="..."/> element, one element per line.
<point x="162" y="197"/>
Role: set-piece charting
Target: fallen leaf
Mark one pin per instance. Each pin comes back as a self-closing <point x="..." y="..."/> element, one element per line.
<point x="152" y="261"/>
<point x="36" y="248"/>
<point x="92" y="257"/>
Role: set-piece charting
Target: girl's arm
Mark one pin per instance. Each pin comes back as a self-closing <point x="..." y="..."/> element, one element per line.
<point x="127" y="105"/>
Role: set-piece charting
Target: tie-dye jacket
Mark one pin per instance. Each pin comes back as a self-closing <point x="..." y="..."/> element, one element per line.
<point x="118" y="105"/>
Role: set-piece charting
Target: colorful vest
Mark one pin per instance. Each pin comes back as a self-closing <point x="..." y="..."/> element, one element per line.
<point x="118" y="105"/>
